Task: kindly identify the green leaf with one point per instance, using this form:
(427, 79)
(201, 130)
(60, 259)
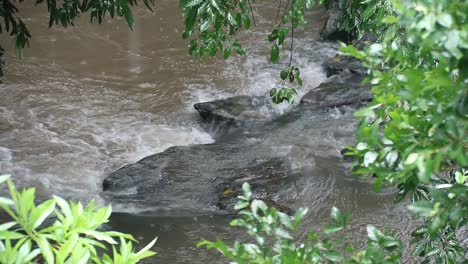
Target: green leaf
(231, 20)
(145, 252)
(67, 247)
(241, 205)
(352, 51)
(193, 3)
(205, 25)
(273, 36)
(41, 212)
(368, 12)
(283, 233)
(445, 20)
(273, 91)
(4, 178)
(256, 205)
(284, 74)
(274, 53)
(366, 112)
(373, 233)
(335, 214)
(422, 208)
(333, 256)
(329, 229)
(390, 20)
(285, 220)
(369, 158)
(4, 235)
(128, 15)
(7, 225)
(6, 201)
(46, 249)
(299, 81)
(246, 21)
(247, 191)
(99, 236)
(291, 77)
(227, 53)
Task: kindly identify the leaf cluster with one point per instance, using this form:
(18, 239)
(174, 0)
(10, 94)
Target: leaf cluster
(366, 16)
(64, 13)
(211, 25)
(275, 238)
(414, 133)
(72, 237)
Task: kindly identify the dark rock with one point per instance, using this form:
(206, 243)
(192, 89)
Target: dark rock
(344, 152)
(234, 110)
(165, 180)
(339, 64)
(340, 90)
(331, 29)
(364, 41)
(264, 178)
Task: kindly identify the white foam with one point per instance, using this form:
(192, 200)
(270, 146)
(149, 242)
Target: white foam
(254, 75)
(5, 155)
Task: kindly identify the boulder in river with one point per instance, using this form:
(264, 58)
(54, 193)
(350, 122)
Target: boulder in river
(331, 28)
(234, 111)
(264, 178)
(339, 90)
(179, 178)
(340, 63)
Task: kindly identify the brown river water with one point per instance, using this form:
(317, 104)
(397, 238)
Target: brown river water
(89, 99)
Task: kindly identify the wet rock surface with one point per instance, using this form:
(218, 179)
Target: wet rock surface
(264, 178)
(343, 64)
(184, 177)
(339, 90)
(331, 28)
(234, 111)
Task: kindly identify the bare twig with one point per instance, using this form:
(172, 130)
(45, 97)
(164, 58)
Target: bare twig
(284, 13)
(279, 10)
(292, 43)
(252, 13)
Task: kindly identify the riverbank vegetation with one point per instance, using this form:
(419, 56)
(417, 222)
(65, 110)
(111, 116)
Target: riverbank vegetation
(57, 231)
(411, 136)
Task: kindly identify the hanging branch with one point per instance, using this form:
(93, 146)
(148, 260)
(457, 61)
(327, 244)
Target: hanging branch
(284, 13)
(277, 13)
(252, 13)
(292, 43)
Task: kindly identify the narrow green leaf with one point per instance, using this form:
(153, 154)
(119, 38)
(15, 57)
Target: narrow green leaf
(41, 212)
(274, 53)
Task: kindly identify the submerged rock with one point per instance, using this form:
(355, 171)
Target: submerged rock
(340, 64)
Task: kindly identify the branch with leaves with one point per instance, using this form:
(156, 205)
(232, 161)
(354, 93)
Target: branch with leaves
(63, 13)
(211, 26)
(276, 238)
(73, 237)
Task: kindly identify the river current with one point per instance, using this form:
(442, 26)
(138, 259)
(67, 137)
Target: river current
(87, 100)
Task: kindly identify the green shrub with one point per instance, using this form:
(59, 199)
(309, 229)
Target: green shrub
(413, 135)
(275, 239)
(72, 237)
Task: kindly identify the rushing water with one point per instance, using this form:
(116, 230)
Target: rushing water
(89, 99)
